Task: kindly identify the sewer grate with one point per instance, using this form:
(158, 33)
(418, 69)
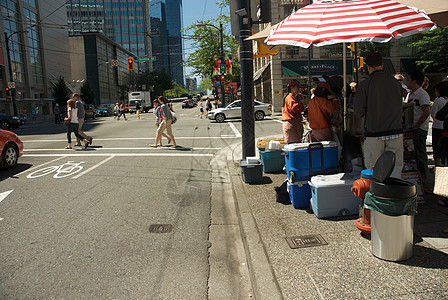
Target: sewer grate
(160, 228)
(306, 241)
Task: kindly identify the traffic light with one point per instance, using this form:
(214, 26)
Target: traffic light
(351, 47)
(7, 91)
(130, 63)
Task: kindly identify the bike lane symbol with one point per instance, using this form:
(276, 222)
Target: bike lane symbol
(66, 169)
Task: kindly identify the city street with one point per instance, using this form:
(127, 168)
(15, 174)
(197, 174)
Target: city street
(77, 223)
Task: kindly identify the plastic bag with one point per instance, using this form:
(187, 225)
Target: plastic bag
(282, 195)
(395, 207)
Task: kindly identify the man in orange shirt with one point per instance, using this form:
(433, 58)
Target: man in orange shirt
(319, 112)
(292, 113)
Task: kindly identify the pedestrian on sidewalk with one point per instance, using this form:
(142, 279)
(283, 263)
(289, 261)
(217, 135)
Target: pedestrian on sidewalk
(81, 117)
(441, 92)
(122, 112)
(320, 109)
(158, 115)
(201, 108)
(57, 117)
(379, 100)
(137, 109)
(165, 124)
(420, 98)
(292, 109)
(72, 115)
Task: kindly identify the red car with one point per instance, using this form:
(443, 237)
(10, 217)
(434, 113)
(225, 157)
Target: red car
(11, 148)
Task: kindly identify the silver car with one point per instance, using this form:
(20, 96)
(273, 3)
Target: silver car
(233, 111)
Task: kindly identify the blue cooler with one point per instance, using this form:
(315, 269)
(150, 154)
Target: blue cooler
(331, 195)
(304, 160)
(299, 193)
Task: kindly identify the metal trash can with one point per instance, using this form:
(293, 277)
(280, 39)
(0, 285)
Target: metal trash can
(392, 237)
(393, 203)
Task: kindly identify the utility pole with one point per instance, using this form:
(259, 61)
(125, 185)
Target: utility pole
(247, 76)
(223, 98)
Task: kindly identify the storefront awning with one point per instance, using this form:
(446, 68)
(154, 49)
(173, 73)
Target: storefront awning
(296, 68)
(260, 71)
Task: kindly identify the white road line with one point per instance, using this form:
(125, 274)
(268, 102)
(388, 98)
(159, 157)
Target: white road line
(93, 167)
(102, 148)
(39, 166)
(121, 154)
(237, 133)
(131, 139)
(4, 195)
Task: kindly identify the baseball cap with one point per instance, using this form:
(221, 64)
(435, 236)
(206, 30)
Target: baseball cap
(294, 83)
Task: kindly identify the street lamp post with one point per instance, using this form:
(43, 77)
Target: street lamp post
(11, 77)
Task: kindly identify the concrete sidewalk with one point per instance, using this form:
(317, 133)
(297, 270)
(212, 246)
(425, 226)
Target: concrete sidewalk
(343, 269)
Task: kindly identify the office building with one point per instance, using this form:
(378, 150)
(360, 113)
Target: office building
(167, 45)
(36, 35)
(124, 22)
(191, 84)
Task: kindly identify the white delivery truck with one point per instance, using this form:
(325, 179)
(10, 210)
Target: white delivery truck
(141, 97)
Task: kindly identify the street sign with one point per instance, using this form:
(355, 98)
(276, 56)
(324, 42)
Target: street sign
(146, 58)
(11, 84)
(114, 63)
(222, 69)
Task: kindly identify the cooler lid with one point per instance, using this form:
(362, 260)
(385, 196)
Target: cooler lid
(384, 166)
(334, 179)
(304, 146)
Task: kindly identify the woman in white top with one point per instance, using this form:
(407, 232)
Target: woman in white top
(72, 115)
(441, 91)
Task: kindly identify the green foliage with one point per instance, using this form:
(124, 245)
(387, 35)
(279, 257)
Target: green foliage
(159, 80)
(176, 91)
(87, 93)
(432, 50)
(365, 48)
(207, 42)
(61, 92)
(123, 93)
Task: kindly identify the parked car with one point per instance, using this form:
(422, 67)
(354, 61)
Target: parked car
(233, 110)
(90, 111)
(7, 122)
(11, 148)
(103, 111)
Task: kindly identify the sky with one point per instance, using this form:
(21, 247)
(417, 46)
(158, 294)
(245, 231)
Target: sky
(197, 10)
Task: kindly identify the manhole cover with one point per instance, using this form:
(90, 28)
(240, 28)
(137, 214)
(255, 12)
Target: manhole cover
(305, 241)
(160, 228)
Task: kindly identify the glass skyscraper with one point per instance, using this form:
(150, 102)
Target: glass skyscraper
(166, 39)
(124, 22)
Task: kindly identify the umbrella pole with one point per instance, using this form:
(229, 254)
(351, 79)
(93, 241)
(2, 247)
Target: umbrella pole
(344, 91)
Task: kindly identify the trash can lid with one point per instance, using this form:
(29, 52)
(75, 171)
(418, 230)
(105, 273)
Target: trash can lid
(384, 166)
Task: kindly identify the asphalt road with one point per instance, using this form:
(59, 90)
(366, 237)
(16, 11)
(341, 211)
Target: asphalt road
(76, 223)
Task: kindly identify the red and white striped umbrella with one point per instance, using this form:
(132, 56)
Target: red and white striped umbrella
(332, 22)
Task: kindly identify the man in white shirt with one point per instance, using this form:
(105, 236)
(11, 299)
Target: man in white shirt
(420, 98)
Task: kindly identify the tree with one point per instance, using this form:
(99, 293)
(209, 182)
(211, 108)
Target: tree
(123, 93)
(61, 92)
(87, 93)
(176, 91)
(208, 45)
(432, 46)
(159, 80)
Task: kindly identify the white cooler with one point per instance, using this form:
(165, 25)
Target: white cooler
(331, 195)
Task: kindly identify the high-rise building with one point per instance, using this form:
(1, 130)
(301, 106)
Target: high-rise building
(191, 84)
(124, 22)
(36, 36)
(166, 26)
